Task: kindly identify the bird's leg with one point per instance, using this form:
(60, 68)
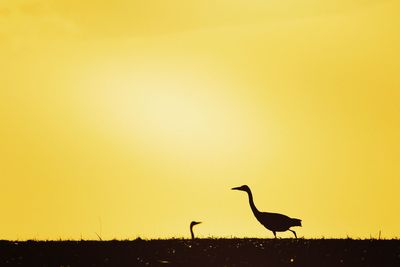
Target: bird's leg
(274, 234)
(293, 233)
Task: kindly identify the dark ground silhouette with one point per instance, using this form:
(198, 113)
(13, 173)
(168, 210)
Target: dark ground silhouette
(203, 252)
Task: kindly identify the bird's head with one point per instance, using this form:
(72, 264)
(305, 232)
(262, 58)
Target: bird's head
(242, 188)
(194, 223)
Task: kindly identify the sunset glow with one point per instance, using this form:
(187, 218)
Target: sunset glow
(134, 118)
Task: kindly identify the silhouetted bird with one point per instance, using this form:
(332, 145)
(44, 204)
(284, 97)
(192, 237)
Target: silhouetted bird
(191, 227)
(274, 222)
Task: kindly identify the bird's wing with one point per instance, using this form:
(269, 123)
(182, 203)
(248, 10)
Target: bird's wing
(275, 221)
(276, 216)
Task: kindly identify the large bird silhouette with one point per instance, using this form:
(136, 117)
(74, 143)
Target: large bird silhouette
(274, 222)
(193, 223)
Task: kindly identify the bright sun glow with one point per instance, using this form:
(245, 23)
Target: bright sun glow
(182, 109)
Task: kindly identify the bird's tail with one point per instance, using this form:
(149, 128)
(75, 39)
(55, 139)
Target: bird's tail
(296, 222)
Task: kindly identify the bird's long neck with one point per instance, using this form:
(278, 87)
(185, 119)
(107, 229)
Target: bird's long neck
(252, 206)
(191, 231)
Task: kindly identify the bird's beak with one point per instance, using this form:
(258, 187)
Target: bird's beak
(235, 188)
(198, 222)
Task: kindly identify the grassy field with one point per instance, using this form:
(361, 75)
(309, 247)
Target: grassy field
(203, 252)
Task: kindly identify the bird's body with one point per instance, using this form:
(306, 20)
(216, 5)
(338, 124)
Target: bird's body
(277, 222)
(274, 222)
(193, 223)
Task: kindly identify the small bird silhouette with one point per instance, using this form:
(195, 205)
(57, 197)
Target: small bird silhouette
(193, 223)
(274, 222)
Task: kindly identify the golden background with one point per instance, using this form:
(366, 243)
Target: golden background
(133, 118)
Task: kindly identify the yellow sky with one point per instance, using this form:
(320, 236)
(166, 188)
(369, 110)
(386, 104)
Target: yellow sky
(133, 118)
